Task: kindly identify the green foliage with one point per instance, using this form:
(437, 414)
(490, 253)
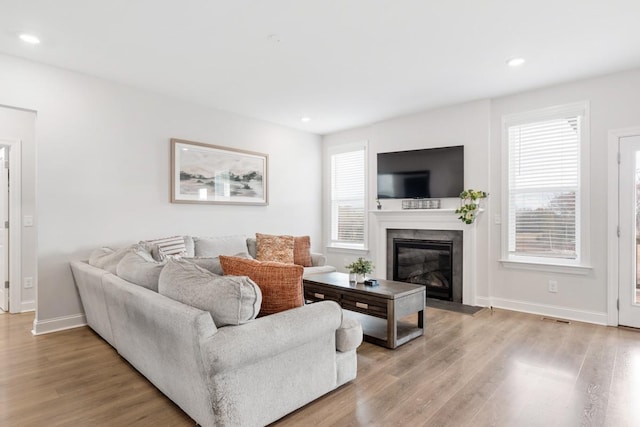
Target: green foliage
(470, 205)
(360, 266)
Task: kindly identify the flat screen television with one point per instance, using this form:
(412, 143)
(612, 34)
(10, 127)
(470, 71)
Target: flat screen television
(426, 173)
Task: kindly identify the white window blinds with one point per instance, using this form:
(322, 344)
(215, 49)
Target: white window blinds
(348, 198)
(544, 188)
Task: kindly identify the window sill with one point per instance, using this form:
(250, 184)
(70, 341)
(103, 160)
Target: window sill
(347, 249)
(581, 270)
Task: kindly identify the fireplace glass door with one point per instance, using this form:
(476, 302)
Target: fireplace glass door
(425, 262)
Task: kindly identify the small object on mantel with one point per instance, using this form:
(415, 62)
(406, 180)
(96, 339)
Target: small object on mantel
(421, 204)
(371, 282)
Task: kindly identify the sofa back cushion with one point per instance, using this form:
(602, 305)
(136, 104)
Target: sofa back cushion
(212, 264)
(274, 248)
(230, 300)
(139, 267)
(107, 258)
(281, 284)
(211, 247)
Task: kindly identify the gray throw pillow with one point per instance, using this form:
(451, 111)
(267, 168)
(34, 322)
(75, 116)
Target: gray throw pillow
(139, 267)
(107, 258)
(231, 300)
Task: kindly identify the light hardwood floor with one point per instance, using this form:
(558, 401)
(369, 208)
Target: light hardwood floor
(497, 368)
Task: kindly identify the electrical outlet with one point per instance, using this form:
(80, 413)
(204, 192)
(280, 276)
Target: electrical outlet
(28, 282)
(553, 286)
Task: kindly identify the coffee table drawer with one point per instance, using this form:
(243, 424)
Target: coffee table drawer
(317, 293)
(370, 306)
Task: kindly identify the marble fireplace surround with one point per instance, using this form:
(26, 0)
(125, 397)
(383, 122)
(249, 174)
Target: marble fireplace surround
(426, 219)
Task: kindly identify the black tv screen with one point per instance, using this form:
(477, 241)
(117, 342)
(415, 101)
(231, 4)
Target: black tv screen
(427, 173)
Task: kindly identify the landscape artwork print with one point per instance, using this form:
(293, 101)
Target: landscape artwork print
(204, 173)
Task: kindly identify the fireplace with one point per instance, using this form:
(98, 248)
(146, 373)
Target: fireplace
(425, 262)
(432, 258)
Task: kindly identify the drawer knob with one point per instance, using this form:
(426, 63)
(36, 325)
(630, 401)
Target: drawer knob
(321, 296)
(362, 305)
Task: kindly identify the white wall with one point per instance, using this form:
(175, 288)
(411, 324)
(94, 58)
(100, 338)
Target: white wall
(102, 154)
(466, 124)
(614, 103)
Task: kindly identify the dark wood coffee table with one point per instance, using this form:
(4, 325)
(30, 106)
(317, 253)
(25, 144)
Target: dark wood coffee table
(379, 309)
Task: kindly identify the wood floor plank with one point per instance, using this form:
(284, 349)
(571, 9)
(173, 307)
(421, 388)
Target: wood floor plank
(497, 368)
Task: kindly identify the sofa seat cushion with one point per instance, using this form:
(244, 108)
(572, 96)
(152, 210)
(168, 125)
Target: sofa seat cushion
(281, 284)
(275, 248)
(231, 300)
(139, 267)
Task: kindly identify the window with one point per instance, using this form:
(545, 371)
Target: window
(348, 217)
(545, 188)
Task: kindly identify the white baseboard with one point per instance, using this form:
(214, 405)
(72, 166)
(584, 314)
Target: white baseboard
(56, 324)
(483, 302)
(27, 306)
(598, 318)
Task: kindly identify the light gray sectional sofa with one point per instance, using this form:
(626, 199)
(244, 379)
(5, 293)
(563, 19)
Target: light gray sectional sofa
(246, 375)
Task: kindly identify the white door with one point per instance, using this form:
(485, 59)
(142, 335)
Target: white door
(4, 231)
(629, 242)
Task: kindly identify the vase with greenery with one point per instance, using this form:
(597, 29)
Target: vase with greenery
(470, 204)
(360, 268)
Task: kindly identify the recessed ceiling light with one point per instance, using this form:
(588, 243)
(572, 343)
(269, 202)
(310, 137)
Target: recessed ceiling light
(29, 38)
(305, 119)
(515, 62)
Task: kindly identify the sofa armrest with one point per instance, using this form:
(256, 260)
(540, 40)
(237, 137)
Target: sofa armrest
(318, 259)
(237, 346)
(348, 335)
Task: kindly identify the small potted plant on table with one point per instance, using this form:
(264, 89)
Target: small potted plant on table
(360, 268)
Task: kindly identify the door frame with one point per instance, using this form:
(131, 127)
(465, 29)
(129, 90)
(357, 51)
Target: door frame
(15, 223)
(613, 246)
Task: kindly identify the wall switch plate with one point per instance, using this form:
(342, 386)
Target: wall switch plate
(28, 282)
(553, 286)
(497, 219)
(28, 220)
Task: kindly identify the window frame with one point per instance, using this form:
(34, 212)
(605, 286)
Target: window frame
(340, 149)
(580, 265)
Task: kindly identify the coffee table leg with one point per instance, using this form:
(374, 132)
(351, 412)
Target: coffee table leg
(392, 325)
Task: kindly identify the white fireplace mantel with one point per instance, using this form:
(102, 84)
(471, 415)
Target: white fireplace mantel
(427, 219)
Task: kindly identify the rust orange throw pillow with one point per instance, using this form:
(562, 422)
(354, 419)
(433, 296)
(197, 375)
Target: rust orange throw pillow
(281, 284)
(274, 248)
(302, 251)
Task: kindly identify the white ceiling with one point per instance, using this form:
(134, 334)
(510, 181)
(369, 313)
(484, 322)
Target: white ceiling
(344, 63)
